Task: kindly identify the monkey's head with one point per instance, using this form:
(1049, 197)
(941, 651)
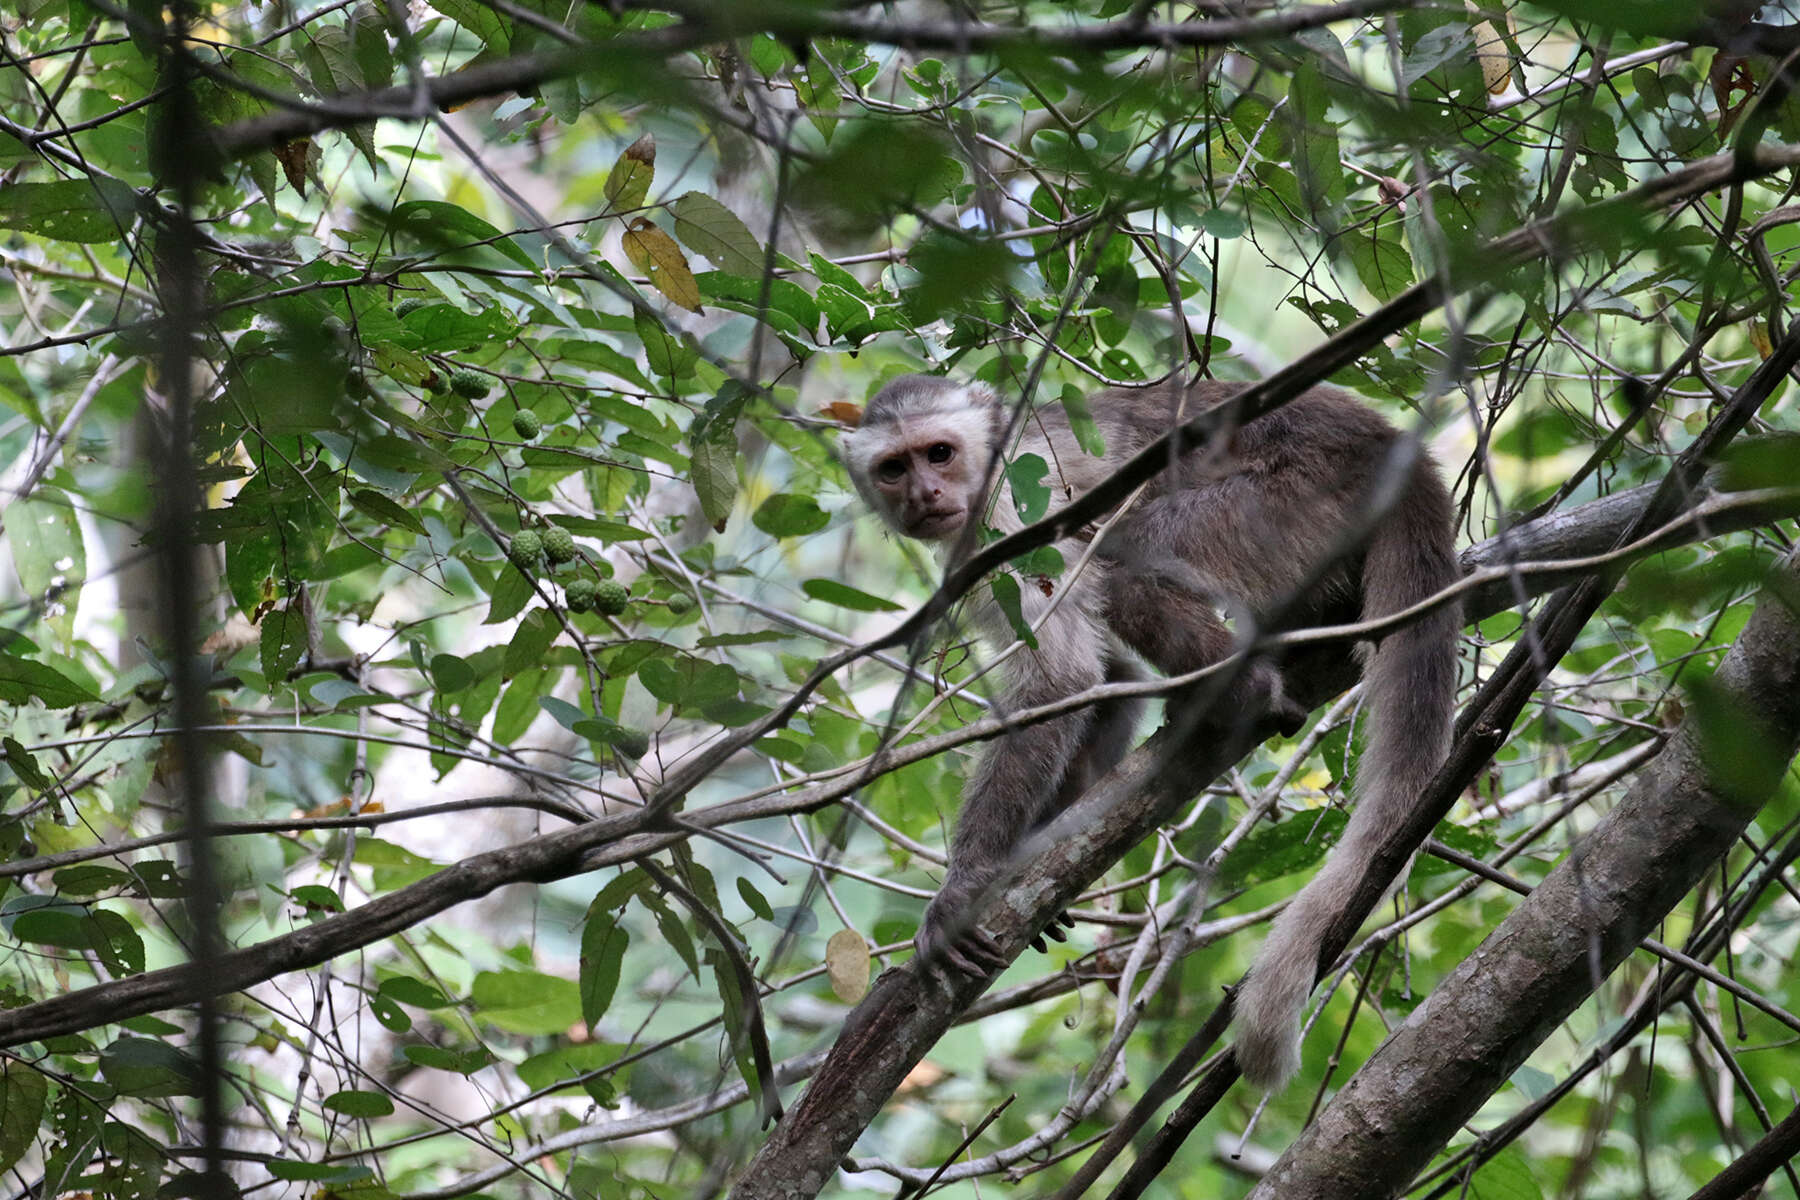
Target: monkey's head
(920, 456)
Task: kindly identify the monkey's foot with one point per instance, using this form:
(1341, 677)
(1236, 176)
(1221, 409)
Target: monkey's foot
(946, 944)
(1056, 931)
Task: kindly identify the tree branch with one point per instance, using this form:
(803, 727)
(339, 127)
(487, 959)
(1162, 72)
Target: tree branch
(1473, 1031)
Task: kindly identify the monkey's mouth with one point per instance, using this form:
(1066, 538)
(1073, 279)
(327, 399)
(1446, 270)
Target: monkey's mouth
(936, 523)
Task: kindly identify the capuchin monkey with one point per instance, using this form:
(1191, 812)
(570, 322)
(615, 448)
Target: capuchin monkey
(1237, 527)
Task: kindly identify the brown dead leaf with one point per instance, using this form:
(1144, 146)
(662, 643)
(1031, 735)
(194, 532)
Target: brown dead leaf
(292, 157)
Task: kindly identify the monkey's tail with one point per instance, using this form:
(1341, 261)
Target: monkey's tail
(1409, 685)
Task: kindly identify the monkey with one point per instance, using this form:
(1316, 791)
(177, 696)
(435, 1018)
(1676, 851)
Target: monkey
(1235, 527)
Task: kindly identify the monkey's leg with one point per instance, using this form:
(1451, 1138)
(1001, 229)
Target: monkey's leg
(1178, 630)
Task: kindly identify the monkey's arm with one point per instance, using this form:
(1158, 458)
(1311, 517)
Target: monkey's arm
(1020, 780)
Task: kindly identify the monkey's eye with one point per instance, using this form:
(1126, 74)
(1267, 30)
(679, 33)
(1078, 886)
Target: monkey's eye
(940, 453)
(889, 470)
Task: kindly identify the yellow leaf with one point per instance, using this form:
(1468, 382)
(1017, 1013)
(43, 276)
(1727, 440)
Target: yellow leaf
(1492, 49)
(655, 254)
(1759, 337)
(1490, 52)
(847, 962)
(629, 181)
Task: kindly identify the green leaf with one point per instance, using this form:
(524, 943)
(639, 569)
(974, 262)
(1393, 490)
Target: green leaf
(451, 673)
(564, 1065)
(1223, 223)
(25, 766)
(359, 1104)
(1381, 261)
(22, 680)
(22, 1095)
(1005, 589)
(1031, 495)
(69, 210)
(603, 944)
(88, 879)
(113, 940)
(629, 182)
(283, 642)
(714, 472)
(463, 1062)
(480, 20)
(48, 552)
(830, 591)
(688, 682)
(1641, 18)
(511, 592)
(450, 227)
(304, 1172)
(707, 227)
(146, 1068)
(758, 903)
(786, 515)
(1507, 1176)
(529, 641)
(382, 509)
(525, 1002)
(404, 989)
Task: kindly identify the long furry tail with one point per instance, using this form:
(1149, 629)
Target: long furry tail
(1410, 687)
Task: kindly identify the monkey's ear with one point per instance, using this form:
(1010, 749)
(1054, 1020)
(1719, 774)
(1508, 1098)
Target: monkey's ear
(844, 412)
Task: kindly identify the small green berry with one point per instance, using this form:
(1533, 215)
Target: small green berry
(680, 603)
(409, 305)
(559, 544)
(610, 598)
(526, 424)
(526, 548)
(578, 594)
(471, 385)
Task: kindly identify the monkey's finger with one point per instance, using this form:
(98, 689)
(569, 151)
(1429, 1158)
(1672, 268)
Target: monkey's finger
(979, 952)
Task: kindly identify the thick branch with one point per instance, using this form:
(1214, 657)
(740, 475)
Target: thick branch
(1686, 809)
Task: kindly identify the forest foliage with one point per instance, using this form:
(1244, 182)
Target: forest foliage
(432, 600)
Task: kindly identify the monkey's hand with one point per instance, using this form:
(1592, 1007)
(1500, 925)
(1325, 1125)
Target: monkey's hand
(949, 941)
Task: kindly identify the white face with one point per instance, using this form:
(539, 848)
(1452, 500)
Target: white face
(924, 473)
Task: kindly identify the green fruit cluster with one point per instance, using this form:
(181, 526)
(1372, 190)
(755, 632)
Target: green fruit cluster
(526, 424)
(680, 603)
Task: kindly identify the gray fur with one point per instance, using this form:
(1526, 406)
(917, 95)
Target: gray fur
(1236, 526)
